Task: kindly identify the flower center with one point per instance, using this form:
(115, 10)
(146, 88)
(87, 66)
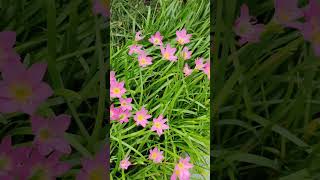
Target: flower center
(123, 104)
(21, 92)
(180, 165)
(143, 61)
(166, 55)
(154, 155)
(140, 117)
(181, 41)
(44, 134)
(157, 125)
(121, 116)
(116, 90)
(156, 41)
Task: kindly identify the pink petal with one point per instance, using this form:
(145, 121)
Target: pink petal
(36, 72)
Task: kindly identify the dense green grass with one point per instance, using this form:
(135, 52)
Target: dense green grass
(162, 88)
(266, 100)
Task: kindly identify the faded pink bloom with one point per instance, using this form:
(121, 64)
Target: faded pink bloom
(101, 7)
(206, 69)
(138, 36)
(159, 125)
(168, 53)
(112, 76)
(114, 112)
(117, 89)
(49, 133)
(126, 103)
(43, 167)
(125, 163)
(22, 89)
(311, 28)
(144, 60)
(7, 53)
(135, 49)
(141, 117)
(287, 11)
(96, 167)
(247, 28)
(186, 54)
(181, 169)
(199, 64)
(183, 37)
(156, 39)
(156, 155)
(124, 116)
(186, 70)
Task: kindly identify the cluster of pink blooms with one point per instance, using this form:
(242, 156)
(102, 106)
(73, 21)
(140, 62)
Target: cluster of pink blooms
(288, 14)
(22, 90)
(169, 53)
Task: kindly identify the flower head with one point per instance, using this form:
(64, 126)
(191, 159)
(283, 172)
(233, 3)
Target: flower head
(138, 36)
(156, 155)
(159, 125)
(124, 116)
(168, 53)
(7, 53)
(125, 163)
(96, 167)
(114, 112)
(22, 89)
(287, 11)
(117, 89)
(126, 103)
(247, 28)
(183, 37)
(50, 133)
(206, 69)
(199, 64)
(186, 54)
(144, 60)
(186, 70)
(156, 39)
(181, 169)
(141, 117)
(101, 7)
(135, 49)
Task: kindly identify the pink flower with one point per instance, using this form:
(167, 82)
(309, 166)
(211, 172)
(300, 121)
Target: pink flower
(144, 60)
(287, 11)
(7, 53)
(112, 76)
(183, 37)
(135, 49)
(199, 64)
(114, 112)
(101, 7)
(247, 28)
(126, 103)
(141, 117)
(124, 116)
(117, 89)
(125, 163)
(96, 167)
(138, 36)
(159, 125)
(186, 70)
(168, 53)
(22, 89)
(186, 54)
(206, 69)
(311, 28)
(156, 155)
(156, 39)
(50, 133)
(6, 158)
(181, 169)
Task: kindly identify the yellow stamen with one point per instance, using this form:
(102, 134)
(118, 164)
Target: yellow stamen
(140, 117)
(116, 90)
(21, 93)
(166, 55)
(157, 125)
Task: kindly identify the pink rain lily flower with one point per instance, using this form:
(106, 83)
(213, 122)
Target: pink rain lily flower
(144, 60)
(247, 28)
(114, 112)
(287, 11)
(181, 169)
(156, 155)
(50, 133)
(159, 125)
(101, 7)
(156, 39)
(311, 28)
(124, 116)
(168, 53)
(186, 54)
(7, 53)
(125, 163)
(117, 89)
(141, 117)
(22, 89)
(95, 168)
(138, 36)
(199, 64)
(126, 103)
(183, 37)
(206, 69)
(186, 70)
(135, 49)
